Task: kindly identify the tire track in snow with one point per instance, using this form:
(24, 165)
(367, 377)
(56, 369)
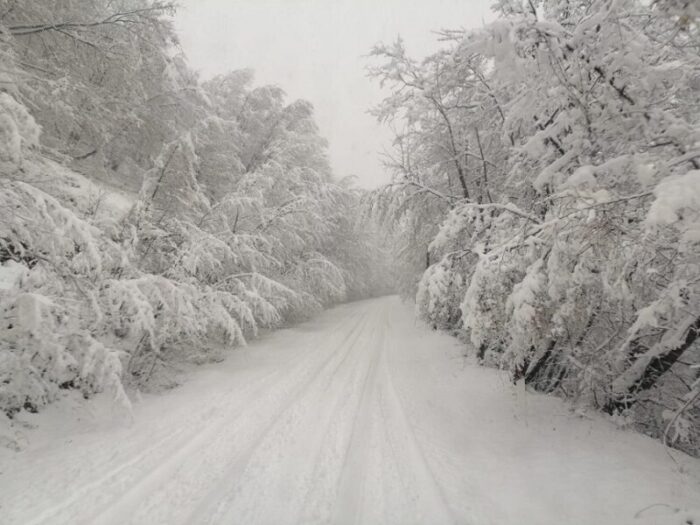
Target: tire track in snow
(351, 483)
(136, 456)
(322, 493)
(163, 454)
(385, 477)
(165, 449)
(123, 510)
(419, 479)
(218, 504)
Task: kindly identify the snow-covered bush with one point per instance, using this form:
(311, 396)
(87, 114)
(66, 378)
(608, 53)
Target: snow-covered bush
(48, 337)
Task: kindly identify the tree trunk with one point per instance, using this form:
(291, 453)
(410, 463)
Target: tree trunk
(646, 376)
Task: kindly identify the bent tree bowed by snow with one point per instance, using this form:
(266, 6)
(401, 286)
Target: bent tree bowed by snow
(545, 200)
(149, 218)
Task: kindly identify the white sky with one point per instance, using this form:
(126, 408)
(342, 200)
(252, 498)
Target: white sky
(313, 49)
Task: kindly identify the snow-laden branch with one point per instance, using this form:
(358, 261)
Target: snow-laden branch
(119, 18)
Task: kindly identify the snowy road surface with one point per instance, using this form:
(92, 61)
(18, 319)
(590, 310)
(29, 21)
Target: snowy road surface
(360, 416)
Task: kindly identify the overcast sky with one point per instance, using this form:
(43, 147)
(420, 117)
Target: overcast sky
(313, 49)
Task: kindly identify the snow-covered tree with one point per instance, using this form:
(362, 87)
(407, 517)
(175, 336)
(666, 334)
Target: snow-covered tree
(149, 218)
(547, 151)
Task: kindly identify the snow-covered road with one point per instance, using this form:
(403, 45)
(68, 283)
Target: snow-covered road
(360, 416)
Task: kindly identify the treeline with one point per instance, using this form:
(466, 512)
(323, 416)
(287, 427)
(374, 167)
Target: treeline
(546, 199)
(147, 217)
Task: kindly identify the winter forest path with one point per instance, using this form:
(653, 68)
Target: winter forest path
(360, 416)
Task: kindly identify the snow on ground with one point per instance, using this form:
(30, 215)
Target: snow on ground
(360, 416)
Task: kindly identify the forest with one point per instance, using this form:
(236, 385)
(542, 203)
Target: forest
(546, 196)
(544, 203)
(149, 218)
